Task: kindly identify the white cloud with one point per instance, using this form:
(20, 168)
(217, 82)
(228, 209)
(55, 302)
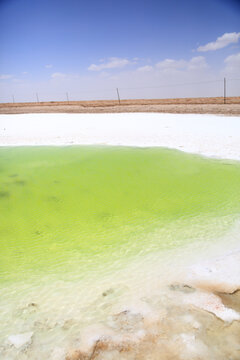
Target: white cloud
(112, 63)
(171, 64)
(221, 42)
(145, 68)
(5, 76)
(197, 62)
(48, 66)
(233, 63)
(58, 75)
(167, 79)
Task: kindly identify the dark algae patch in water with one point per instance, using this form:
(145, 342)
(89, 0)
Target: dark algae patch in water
(4, 194)
(96, 205)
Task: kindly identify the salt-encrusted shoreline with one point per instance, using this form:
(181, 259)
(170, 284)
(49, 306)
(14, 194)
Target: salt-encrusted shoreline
(209, 135)
(190, 318)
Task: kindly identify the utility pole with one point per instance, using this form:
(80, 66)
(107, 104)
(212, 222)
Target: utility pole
(13, 100)
(67, 97)
(118, 96)
(37, 97)
(225, 88)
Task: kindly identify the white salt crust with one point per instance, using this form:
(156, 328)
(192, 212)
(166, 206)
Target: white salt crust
(210, 135)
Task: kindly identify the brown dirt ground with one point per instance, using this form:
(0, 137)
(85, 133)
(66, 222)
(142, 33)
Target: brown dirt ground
(187, 105)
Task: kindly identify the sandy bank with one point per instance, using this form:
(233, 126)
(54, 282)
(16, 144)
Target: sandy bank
(211, 105)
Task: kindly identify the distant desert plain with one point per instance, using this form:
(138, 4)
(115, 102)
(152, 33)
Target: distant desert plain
(210, 105)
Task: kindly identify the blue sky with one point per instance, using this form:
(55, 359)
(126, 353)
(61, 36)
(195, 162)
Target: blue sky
(54, 46)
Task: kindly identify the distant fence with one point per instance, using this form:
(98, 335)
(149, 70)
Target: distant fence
(210, 88)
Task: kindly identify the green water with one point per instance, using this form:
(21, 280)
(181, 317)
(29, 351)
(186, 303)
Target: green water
(72, 210)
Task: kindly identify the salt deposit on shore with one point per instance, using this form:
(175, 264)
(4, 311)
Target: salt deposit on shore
(209, 135)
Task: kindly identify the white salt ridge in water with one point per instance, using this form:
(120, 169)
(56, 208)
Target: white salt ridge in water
(210, 135)
(20, 340)
(212, 304)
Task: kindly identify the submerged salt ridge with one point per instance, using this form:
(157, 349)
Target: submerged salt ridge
(168, 303)
(210, 135)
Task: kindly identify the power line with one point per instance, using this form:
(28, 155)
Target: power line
(77, 94)
(170, 85)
